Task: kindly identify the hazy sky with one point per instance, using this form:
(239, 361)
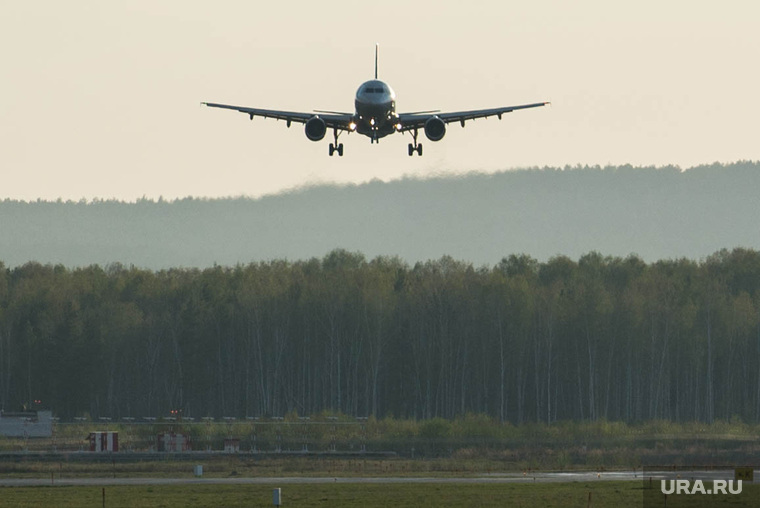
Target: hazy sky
(101, 99)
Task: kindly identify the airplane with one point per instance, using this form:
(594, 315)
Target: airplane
(375, 117)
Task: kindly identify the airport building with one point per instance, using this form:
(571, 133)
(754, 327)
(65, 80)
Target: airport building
(106, 441)
(231, 445)
(172, 442)
(26, 424)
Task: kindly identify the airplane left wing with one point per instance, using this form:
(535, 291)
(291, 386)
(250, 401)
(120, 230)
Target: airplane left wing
(332, 121)
(410, 121)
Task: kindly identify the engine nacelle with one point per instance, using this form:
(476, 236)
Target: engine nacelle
(315, 128)
(435, 128)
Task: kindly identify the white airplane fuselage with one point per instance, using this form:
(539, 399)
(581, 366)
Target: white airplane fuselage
(375, 105)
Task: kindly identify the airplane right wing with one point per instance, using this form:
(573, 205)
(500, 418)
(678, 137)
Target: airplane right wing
(411, 121)
(332, 121)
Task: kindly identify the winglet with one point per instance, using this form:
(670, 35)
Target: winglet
(377, 48)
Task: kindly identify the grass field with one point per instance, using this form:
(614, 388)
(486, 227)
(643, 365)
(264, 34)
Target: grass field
(580, 494)
(562, 445)
(472, 446)
(603, 494)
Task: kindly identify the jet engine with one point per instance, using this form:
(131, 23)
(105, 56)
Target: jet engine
(315, 128)
(435, 128)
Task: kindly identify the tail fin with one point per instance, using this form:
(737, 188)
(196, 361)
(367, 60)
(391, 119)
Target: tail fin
(377, 48)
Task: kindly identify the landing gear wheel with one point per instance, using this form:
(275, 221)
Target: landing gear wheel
(335, 147)
(415, 147)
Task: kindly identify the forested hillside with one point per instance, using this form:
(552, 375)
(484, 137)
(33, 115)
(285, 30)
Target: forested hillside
(521, 340)
(655, 213)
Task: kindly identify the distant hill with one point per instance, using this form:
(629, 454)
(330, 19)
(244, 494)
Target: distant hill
(653, 212)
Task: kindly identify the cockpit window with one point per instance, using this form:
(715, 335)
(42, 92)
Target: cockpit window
(375, 89)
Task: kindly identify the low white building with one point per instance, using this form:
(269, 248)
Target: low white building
(171, 442)
(31, 424)
(104, 441)
(231, 445)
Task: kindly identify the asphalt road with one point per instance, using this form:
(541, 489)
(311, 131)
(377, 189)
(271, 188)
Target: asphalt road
(491, 478)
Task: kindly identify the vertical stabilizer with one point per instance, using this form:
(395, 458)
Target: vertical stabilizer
(377, 49)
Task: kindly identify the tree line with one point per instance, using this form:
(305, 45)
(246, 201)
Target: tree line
(522, 341)
(659, 213)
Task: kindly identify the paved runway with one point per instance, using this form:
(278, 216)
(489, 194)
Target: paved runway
(567, 477)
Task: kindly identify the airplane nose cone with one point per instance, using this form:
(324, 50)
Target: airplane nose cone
(378, 110)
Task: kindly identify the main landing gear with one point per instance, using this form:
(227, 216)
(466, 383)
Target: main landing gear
(416, 147)
(336, 147)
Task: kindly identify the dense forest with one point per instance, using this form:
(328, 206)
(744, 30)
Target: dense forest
(522, 340)
(656, 213)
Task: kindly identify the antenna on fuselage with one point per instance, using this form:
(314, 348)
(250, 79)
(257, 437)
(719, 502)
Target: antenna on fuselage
(377, 48)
